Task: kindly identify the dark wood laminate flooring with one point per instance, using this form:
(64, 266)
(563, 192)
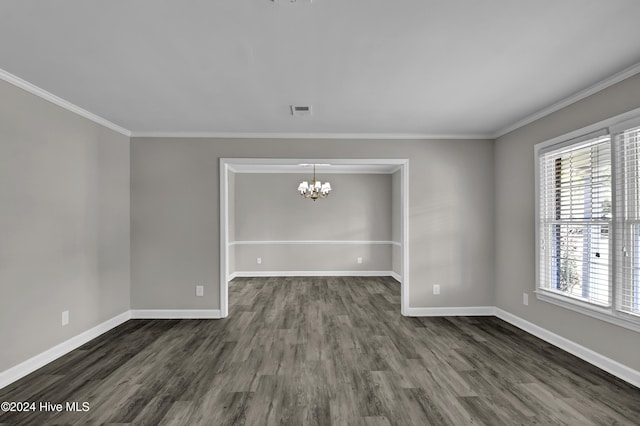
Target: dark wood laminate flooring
(323, 351)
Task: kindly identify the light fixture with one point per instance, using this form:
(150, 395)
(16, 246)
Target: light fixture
(316, 190)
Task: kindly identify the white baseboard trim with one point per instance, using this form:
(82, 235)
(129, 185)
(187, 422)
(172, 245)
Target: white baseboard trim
(32, 364)
(607, 364)
(465, 311)
(312, 242)
(396, 276)
(232, 276)
(175, 314)
(251, 274)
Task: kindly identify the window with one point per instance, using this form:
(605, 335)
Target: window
(588, 222)
(627, 144)
(575, 212)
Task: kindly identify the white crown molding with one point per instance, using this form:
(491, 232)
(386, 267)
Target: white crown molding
(586, 92)
(41, 93)
(599, 86)
(175, 314)
(267, 135)
(463, 311)
(32, 364)
(313, 242)
(607, 364)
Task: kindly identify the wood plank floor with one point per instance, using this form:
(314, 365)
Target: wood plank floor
(323, 351)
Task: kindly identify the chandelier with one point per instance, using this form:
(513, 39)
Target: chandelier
(316, 190)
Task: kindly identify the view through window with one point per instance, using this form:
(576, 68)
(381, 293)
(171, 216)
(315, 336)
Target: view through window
(576, 203)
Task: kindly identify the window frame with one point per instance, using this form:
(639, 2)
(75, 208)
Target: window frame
(611, 314)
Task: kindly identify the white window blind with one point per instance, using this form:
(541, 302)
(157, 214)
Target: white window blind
(628, 217)
(575, 202)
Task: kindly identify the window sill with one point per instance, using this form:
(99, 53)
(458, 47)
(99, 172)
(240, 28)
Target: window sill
(605, 314)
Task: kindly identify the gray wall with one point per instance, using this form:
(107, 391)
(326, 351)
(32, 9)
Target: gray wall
(358, 209)
(515, 221)
(64, 224)
(175, 214)
(313, 257)
(174, 226)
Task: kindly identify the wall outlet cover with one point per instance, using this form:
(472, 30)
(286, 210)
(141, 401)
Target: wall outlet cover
(65, 317)
(199, 290)
(436, 289)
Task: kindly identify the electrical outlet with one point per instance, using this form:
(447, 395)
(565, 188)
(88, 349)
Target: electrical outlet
(199, 290)
(525, 299)
(259, 261)
(65, 317)
(436, 289)
(359, 260)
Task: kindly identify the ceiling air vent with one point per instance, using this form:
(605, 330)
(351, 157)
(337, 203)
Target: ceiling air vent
(300, 110)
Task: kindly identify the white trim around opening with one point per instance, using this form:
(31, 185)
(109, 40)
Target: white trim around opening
(227, 165)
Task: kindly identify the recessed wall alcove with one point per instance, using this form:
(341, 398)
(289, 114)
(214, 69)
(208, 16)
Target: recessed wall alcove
(291, 252)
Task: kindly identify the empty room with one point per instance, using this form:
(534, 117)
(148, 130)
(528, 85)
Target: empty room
(324, 212)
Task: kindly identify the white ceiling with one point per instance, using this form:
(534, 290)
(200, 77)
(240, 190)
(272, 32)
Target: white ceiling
(369, 67)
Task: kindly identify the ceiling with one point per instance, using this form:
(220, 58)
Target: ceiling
(433, 68)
